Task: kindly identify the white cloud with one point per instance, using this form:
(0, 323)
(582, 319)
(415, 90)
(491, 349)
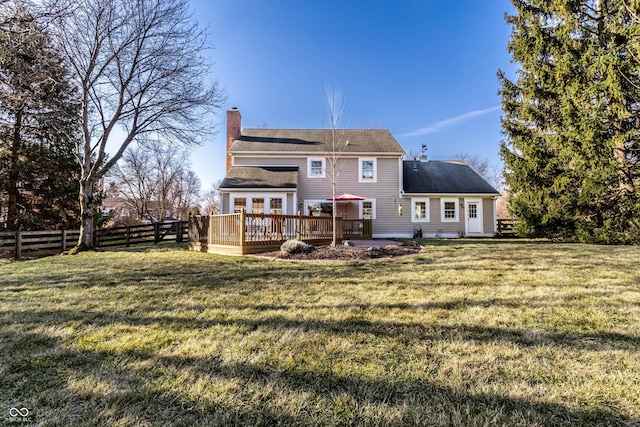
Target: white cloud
(447, 123)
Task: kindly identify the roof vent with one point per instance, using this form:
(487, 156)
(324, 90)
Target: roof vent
(415, 164)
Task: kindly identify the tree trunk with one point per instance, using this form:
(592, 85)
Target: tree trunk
(86, 238)
(14, 173)
(335, 216)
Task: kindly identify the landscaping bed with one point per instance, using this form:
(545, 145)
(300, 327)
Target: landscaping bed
(347, 253)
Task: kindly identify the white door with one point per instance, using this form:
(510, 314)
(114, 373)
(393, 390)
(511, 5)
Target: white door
(474, 216)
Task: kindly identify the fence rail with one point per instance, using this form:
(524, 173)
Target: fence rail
(17, 244)
(244, 233)
(506, 227)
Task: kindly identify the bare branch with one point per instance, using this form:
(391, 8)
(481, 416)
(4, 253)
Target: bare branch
(142, 76)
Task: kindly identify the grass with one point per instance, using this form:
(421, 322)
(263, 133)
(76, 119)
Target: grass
(480, 332)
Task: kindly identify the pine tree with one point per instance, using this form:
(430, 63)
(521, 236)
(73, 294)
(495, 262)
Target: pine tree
(571, 120)
(38, 121)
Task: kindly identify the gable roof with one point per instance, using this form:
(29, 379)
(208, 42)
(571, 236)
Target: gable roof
(441, 177)
(315, 141)
(261, 177)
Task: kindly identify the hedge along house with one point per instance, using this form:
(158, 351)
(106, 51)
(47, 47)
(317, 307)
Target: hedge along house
(289, 171)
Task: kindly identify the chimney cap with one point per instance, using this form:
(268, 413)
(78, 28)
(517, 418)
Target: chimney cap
(234, 108)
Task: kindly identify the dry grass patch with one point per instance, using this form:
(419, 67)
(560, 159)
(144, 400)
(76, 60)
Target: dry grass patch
(467, 333)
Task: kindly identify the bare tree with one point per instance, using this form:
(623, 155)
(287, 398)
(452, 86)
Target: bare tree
(335, 107)
(378, 125)
(157, 181)
(132, 179)
(141, 75)
(482, 166)
(212, 198)
(169, 166)
(184, 193)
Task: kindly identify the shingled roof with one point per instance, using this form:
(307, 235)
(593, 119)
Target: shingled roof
(315, 141)
(261, 177)
(441, 177)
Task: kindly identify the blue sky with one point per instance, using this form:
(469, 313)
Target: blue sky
(424, 69)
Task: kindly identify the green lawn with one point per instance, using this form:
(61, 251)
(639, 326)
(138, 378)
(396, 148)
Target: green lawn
(472, 332)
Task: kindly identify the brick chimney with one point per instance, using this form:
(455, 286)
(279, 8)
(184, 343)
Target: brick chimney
(234, 128)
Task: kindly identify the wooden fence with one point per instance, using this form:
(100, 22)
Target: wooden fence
(146, 233)
(17, 244)
(505, 228)
(244, 233)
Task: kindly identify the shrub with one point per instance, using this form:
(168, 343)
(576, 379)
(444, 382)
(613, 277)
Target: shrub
(295, 247)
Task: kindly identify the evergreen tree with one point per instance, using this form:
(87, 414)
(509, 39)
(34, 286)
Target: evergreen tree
(38, 122)
(571, 120)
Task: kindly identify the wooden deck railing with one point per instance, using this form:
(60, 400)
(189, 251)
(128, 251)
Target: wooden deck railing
(357, 229)
(244, 233)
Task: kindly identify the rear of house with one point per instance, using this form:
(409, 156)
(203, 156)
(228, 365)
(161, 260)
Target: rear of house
(292, 172)
(448, 199)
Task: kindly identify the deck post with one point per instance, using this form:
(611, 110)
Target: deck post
(243, 229)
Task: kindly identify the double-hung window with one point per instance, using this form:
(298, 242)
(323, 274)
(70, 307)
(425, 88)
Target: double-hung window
(239, 204)
(275, 206)
(367, 170)
(449, 210)
(420, 210)
(257, 205)
(316, 167)
(368, 209)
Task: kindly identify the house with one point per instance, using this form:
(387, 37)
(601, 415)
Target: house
(290, 172)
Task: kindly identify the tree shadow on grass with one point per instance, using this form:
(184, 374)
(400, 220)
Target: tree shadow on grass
(406, 331)
(41, 372)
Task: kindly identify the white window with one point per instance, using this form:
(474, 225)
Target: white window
(318, 208)
(316, 167)
(275, 205)
(257, 205)
(367, 170)
(449, 210)
(419, 210)
(239, 204)
(368, 209)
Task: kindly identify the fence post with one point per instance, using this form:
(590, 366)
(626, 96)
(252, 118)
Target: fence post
(127, 238)
(179, 232)
(18, 245)
(156, 232)
(64, 240)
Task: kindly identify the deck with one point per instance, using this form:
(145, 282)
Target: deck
(243, 233)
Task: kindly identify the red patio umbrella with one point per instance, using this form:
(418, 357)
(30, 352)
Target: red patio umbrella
(347, 197)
